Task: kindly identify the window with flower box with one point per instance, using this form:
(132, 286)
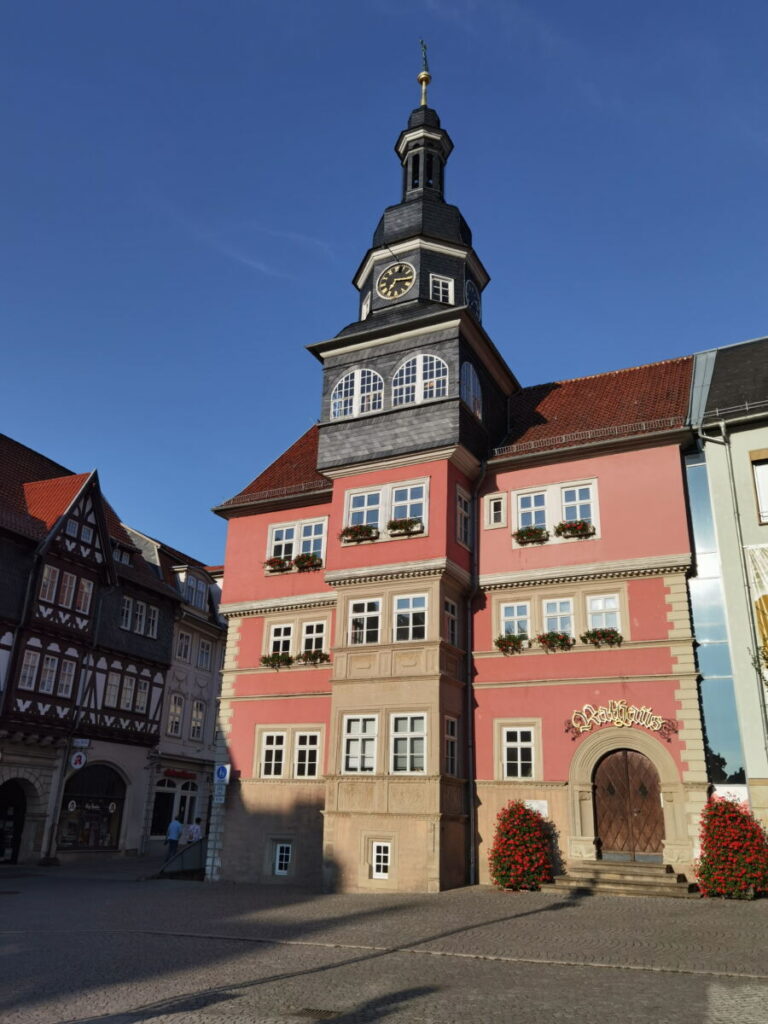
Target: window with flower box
(558, 615)
(313, 636)
(547, 507)
(532, 509)
(603, 611)
(385, 506)
(516, 619)
(280, 639)
(287, 540)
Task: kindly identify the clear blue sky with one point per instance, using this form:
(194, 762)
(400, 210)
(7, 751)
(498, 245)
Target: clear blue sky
(187, 186)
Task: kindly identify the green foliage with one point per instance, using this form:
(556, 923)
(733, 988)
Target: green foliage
(520, 855)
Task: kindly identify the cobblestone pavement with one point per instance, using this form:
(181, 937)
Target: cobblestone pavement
(108, 949)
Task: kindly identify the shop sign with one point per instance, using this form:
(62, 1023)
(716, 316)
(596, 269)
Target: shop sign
(78, 759)
(620, 714)
(179, 773)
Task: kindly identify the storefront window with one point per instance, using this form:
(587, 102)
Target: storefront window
(92, 809)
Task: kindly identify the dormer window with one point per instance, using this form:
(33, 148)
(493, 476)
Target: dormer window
(421, 379)
(441, 288)
(357, 393)
(196, 592)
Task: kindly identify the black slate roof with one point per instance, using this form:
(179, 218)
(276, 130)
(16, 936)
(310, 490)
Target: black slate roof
(739, 380)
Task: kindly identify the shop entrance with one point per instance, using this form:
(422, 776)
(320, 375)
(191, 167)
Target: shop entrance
(629, 819)
(13, 810)
(92, 809)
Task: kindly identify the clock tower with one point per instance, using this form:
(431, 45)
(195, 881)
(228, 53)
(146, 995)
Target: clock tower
(416, 370)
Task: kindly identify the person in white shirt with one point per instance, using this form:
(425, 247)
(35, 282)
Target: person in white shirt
(195, 832)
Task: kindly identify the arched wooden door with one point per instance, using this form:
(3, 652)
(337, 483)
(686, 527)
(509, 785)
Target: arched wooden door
(13, 809)
(629, 820)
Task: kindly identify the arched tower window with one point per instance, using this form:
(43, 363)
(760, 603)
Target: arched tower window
(471, 391)
(356, 393)
(420, 379)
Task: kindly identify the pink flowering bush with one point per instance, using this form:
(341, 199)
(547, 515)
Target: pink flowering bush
(520, 855)
(734, 851)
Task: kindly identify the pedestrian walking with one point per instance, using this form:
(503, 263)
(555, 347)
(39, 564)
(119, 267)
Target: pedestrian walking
(173, 835)
(195, 832)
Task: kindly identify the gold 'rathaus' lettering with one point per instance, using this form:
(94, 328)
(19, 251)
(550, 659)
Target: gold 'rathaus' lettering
(618, 713)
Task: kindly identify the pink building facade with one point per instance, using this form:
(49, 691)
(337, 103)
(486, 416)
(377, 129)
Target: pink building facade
(454, 591)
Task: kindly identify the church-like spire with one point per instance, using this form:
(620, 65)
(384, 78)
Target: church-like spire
(424, 77)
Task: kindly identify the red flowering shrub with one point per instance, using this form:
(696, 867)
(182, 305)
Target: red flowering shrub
(519, 857)
(734, 851)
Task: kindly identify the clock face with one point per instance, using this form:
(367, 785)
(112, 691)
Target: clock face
(396, 280)
(473, 297)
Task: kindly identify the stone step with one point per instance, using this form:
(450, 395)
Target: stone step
(624, 879)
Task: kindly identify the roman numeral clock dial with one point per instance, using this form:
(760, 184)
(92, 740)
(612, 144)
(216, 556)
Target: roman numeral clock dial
(396, 280)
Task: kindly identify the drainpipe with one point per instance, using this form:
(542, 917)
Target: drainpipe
(470, 710)
(724, 440)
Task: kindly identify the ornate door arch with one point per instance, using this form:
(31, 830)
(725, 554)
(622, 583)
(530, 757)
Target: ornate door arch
(629, 820)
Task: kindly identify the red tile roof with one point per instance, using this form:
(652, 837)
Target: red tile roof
(48, 500)
(623, 403)
(294, 472)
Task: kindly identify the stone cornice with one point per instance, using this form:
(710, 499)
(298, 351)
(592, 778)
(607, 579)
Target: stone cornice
(660, 565)
(456, 454)
(398, 571)
(245, 609)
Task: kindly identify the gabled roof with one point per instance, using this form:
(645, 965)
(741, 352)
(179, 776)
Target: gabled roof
(48, 500)
(621, 404)
(293, 473)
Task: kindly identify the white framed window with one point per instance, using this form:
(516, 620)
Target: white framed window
(48, 583)
(272, 755)
(286, 540)
(408, 502)
(463, 518)
(66, 678)
(73, 528)
(127, 693)
(139, 617)
(175, 715)
(112, 690)
(410, 617)
(518, 752)
(532, 509)
(196, 592)
(357, 393)
(421, 378)
(360, 733)
(28, 674)
(126, 612)
(84, 595)
(282, 852)
(381, 857)
(152, 616)
(451, 622)
(603, 611)
(313, 636)
(282, 541)
(86, 534)
(67, 589)
(142, 694)
(409, 735)
(471, 392)
(516, 619)
(558, 615)
(365, 621)
(305, 755)
(204, 655)
(375, 507)
(760, 473)
(365, 509)
(440, 288)
(365, 306)
(48, 673)
(280, 639)
(495, 511)
(183, 646)
(451, 746)
(197, 720)
(577, 503)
